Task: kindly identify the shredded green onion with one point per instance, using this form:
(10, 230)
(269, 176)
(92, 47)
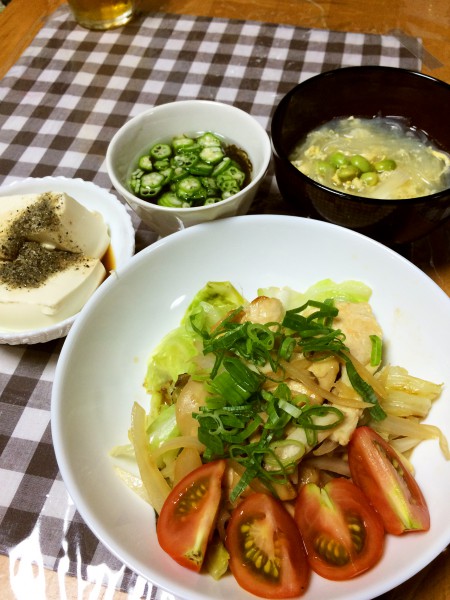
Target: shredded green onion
(291, 410)
(306, 419)
(365, 391)
(247, 423)
(287, 348)
(375, 355)
(275, 459)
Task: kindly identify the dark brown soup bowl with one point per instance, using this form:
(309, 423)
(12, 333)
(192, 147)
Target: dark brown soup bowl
(421, 101)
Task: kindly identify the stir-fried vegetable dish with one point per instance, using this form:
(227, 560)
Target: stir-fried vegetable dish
(277, 439)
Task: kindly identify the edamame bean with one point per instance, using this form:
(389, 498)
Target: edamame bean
(325, 169)
(385, 165)
(361, 163)
(338, 159)
(347, 172)
(370, 178)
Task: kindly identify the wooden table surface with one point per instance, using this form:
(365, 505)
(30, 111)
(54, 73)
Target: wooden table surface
(428, 20)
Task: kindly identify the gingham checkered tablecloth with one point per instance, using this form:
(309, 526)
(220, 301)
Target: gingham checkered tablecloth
(59, 107)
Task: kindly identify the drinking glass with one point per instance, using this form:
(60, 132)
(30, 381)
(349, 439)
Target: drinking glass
(102, 14)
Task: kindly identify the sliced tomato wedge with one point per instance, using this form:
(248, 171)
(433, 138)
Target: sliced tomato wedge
(386, 482)
(188, 515)
(343, 535)
(267, 556)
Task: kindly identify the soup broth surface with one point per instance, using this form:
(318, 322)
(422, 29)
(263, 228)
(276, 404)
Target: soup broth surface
(375, 158)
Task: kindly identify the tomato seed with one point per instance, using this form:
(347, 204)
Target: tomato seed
(330, 550)
(357, 532)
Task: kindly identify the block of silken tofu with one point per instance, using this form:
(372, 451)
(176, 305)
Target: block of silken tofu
(62, 295)
(51, 248)
(53, 219)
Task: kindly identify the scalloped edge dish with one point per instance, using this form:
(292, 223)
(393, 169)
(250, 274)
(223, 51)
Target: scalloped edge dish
(93, 197)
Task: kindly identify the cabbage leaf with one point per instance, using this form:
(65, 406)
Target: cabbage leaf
(348, 291)
(175, 354)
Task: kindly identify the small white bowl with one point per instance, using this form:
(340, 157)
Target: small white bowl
(95, 198)
(188, 117)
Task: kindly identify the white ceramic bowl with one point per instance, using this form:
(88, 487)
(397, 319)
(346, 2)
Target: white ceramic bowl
(92, 399)
(189, 117)
(95, 198)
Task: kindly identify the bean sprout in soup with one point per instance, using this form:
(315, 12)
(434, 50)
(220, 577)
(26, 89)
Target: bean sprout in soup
(375, 158)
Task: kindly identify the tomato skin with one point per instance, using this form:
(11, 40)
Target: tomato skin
(261, 529)
(188, 515)
(378, 471)
(338, 518)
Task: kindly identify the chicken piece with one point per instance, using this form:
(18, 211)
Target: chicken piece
(326, 372)
(357, 321)
(264, 310)
(342, 433)
(297, 388)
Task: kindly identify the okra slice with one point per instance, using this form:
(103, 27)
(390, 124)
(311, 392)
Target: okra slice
(212, 154)
(152, 180)
(145, 163)
(159, 151)
(209, 139)
(189, 188)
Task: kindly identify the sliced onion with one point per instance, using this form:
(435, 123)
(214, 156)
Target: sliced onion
(156, 486)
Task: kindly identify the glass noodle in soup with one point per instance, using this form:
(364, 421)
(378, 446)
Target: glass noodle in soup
(375, 158)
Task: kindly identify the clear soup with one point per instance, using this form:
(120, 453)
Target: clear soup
(375, 158)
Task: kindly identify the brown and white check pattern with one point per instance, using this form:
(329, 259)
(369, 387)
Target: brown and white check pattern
(59, 107)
